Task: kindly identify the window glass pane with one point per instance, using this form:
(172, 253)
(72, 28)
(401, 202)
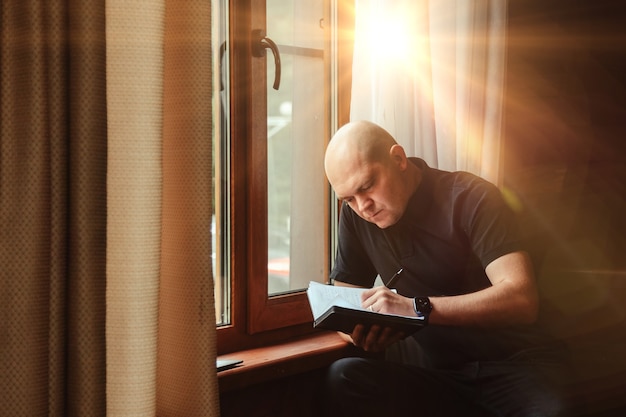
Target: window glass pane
(298, 125)
(220, 225)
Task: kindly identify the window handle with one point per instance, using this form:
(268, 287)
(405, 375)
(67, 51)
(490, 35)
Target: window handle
(260, 42)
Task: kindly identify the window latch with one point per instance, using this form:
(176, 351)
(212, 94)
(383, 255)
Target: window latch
(260, 42)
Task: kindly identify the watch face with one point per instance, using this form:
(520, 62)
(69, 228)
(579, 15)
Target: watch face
(423, 305)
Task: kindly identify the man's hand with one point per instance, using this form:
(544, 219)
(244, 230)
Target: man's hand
(376, 338)
(382, 300)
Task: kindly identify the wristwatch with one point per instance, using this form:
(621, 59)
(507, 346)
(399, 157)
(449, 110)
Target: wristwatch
(422, 307)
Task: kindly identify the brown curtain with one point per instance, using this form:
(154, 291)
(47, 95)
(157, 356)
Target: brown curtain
(105, 193)
(53, 208)
(186, 378)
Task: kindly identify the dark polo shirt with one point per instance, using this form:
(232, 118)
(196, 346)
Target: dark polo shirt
(455, 224)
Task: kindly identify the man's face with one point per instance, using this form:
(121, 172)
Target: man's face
(375, 191)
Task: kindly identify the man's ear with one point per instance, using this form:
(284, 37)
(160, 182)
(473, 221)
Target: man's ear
(398, 156)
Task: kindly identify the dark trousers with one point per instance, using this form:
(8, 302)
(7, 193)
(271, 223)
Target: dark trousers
(513, 388)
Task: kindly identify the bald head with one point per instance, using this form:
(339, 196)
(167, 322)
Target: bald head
(359, 142)
(370, 172)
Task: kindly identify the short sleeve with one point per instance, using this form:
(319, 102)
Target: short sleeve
(490, 224)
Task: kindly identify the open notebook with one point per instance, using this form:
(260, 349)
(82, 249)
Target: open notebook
(339, 308)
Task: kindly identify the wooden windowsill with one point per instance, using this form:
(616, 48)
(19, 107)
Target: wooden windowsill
(285, 359)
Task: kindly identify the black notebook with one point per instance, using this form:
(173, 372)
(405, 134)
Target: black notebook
(339, 308)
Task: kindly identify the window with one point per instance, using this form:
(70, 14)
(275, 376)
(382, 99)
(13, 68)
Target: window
(272, 211)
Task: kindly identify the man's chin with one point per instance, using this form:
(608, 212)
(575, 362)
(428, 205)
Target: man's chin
(381, 220)
(387, 221)
(384, 223)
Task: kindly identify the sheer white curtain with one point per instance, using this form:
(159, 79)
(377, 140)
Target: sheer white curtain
(432, 74)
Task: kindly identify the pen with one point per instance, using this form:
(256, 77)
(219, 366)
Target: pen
(394, 278)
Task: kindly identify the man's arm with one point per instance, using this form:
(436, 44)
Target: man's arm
(512, 298)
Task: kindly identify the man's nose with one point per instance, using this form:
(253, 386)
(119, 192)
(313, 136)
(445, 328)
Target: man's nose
(364, 203)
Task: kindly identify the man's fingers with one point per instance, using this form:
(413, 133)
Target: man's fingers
(372, 341)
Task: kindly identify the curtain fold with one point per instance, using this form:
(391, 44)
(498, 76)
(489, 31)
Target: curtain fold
(86, 196)
(186, 374)
(432, 73)
(134, 39)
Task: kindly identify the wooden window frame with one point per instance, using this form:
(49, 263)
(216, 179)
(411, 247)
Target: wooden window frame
(256, 319)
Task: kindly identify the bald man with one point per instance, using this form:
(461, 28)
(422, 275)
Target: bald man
(453, 249)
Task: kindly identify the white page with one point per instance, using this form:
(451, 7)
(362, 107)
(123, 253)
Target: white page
(322, 297)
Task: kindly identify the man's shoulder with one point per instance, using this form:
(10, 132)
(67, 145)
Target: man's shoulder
(443, 193)
(458, 183)
(454, 182)
(452, 178)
